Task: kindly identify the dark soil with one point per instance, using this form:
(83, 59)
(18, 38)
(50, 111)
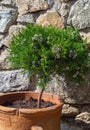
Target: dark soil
(31, 103)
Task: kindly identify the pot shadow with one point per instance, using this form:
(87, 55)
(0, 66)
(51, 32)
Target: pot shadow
(69, 123)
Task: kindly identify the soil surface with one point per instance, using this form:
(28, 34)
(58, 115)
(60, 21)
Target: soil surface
(31, 103)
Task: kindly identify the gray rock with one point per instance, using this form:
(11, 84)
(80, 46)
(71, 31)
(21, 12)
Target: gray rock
(70, 92)
(28, 18)
(9, 3)
(4, 63)
(27, 6)
(63, 8)
(4, 44)
(13, 81)
(13, 30)
(69, 110)
(84, 108)
(1, 45)
(64, 11)
(51, 3)
(79, 15)
(56, 5)
(1, 37)
(65, 0)
(7, 18)
(83, 117)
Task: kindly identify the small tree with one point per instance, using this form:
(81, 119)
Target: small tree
(46, 51)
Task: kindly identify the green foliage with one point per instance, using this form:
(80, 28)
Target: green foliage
(45, 51)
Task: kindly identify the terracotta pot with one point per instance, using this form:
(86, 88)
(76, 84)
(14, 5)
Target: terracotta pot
(30, 119)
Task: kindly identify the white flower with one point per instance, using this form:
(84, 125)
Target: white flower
(48, 38)
(47, 41)
(35, 35)
(88, 54)
(67, 67)
(40, 35)
(75, 75)
(34, 38)
(70, 53)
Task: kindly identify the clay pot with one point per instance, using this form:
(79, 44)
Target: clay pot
(30, 119)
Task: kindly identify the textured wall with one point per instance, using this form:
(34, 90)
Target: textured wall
(17, 13)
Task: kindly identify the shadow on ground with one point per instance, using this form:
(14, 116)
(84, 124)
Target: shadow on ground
(68, 123)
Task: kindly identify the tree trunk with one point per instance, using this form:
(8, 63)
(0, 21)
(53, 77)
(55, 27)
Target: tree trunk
(40, 97)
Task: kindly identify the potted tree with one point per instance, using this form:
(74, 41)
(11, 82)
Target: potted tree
(44, 52)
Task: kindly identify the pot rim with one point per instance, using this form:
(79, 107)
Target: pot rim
(23, 111)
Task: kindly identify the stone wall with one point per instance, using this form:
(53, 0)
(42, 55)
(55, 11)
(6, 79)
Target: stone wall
(15, 14)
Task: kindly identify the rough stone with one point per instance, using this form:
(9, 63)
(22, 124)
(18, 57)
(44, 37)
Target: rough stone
(9, 3)
(50, 3)
(84, 108)
(7, 18)
(28, 18)
(56, 6)
(79, 15)
(6, 40)
(13, 80)
(55, 86)
(83, 117)
(37, 14)
(50, 18)
(65, 0)
(4, 63)
(69, 110)
(1, 37)
(26, 6)
(70, 92)
(13, 30)
(64, 11)
(0, 45)
(86, 36)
